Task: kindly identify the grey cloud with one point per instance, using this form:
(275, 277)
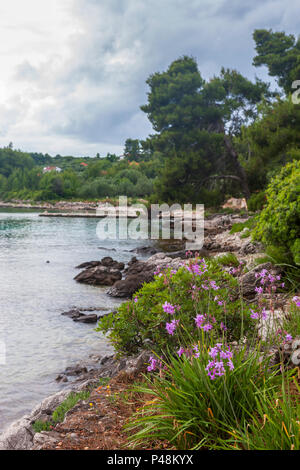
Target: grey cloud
(98, 90)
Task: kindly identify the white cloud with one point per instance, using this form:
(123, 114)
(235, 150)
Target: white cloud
(73, 71)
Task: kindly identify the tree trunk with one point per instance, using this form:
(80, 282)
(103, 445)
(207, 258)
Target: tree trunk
(238, 167)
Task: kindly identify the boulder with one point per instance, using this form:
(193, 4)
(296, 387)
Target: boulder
(139, 272)
(100, 273)
(99, 276)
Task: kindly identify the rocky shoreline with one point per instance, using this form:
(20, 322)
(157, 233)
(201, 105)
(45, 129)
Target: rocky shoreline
(123, 282)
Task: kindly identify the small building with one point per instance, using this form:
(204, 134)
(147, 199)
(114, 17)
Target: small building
(48, 169)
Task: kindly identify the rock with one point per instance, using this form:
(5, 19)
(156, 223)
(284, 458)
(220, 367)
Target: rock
(88, 264)
(139, 272)
(145, 250)
(100, 273)
(248, 281)
(75, 370)
(235, 204)
(99, 276)
(45, 438)
(288, 353)
(74, 313)
(18, 436)
(92, 318)
(77, 316)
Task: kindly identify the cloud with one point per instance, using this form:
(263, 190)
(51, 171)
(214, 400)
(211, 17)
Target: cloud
(76, 71)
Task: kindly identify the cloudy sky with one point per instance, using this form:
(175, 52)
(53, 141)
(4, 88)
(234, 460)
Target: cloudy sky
(73, 71)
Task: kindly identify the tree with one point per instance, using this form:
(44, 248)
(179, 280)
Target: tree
(270, 142)
(195, 119)
(280, 53)
(132, 150)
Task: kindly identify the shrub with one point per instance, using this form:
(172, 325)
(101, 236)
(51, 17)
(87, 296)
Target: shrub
(192, 411)
(256, 201)
(177, 298)
(279, 222)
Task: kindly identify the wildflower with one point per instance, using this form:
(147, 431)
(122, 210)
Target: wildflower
(171, 327)
(168, 308)
(259, 290)
(264, 314)
(296, 299)
(222, 326)
(199, 319)
(214, 285)
(180, 351)
(288, 337)
(254, 315)
(216, 368)
(206, 327)
(136, 299)
(152, 365)
(196, 353)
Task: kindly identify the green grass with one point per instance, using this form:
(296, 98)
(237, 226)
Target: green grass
(39, 426)
(239, 226)
(229, 259)
(190, 411)
(59, 414)
(69, 403)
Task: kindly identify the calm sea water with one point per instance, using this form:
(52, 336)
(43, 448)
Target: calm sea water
(40, 342)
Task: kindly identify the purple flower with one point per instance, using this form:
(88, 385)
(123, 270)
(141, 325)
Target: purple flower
(216, 368)
(296, 299)
(136, 299)
(180, 351)
(254, 315)
(199, 319)
(259, 290)
(206, 327)
(222, 326)
(288, 337)
(152, 365)
(171, 327)
(168, 308)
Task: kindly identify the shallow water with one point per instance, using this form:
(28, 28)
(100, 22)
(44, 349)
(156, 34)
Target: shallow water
(40, 342)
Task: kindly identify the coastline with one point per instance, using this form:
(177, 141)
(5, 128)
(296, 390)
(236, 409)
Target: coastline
(20, 435)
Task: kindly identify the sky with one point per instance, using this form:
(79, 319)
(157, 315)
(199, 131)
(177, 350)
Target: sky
(73, 72)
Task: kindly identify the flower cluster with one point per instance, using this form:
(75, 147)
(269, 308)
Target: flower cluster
(296, 299)
(216, 367)
(197, 269)
(171, 327)
(168, 308)
(200, 319)
(267, 281)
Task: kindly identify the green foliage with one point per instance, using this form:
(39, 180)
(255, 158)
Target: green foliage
(229, 259)
(279, 221)
(239, 226)
(39, 426)
(142, 324)
(280, 53)
(273, 426)
(190, 117)
(256, 201)
(191, 411)
(59, 414)
(270, 142)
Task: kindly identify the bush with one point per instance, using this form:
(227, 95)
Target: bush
(192, 411)
(256, 201)
(201, 288)
(279, 222)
